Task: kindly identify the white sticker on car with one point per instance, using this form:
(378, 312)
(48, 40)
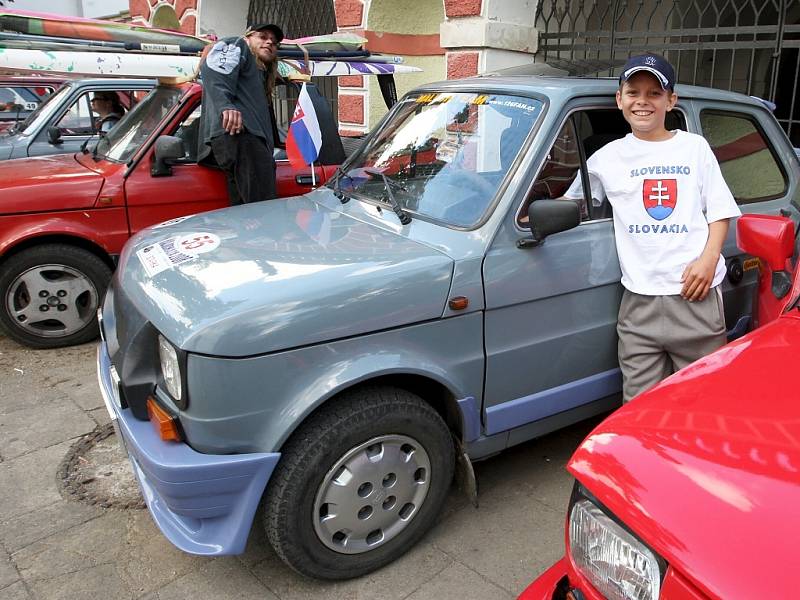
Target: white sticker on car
(161, 256)
(174, 251)
(197, 243)
(174, 221)
(223, 57)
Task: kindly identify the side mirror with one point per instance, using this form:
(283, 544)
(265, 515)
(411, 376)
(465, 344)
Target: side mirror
(54, 135)
(769, 237)
(168, 148)
(546, 217)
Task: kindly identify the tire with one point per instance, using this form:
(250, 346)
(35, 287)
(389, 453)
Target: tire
(401, 457)
(49, 295)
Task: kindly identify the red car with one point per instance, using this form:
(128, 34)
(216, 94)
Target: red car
(65, 218)
(691, 490)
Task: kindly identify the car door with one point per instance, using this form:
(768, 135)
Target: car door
(758, 165)
(189, 188)
(551, 310)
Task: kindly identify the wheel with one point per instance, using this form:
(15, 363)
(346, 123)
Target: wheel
(50, 295)
(359, 484)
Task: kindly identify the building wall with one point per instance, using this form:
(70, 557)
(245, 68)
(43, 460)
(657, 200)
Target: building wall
(73, 8)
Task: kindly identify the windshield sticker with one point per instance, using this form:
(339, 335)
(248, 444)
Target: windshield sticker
(433, 99)
(513, 104)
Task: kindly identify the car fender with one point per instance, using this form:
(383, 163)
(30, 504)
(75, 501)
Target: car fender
(105, 229)
(267, 397)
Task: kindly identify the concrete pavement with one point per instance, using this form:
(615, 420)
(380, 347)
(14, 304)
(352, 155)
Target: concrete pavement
(52, 547)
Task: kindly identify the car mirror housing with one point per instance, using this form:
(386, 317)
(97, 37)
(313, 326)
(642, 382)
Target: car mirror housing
(168, 149)
(54, 135)
(546, 217)
(769, 237)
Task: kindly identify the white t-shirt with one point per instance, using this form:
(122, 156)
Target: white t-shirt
(664, 195)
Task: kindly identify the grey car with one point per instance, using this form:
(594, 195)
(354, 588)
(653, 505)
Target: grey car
(336, 357)
(65, 121)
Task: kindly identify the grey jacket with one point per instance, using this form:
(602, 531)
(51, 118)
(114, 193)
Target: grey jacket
(232, 80)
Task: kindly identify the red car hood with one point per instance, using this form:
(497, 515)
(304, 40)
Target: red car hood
(47, 183)
(705, 468)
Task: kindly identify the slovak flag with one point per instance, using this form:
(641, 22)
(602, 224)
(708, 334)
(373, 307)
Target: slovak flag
(304, 139)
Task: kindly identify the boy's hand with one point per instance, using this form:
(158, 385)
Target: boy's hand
(698, 276)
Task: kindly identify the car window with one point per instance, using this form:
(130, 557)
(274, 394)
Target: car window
(446, 152)
(583, 134)
(188, 130)
(78, 119)
(14, 99)
(121, 143)
(745, 156)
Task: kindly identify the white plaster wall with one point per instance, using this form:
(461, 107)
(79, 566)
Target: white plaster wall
(224, 19)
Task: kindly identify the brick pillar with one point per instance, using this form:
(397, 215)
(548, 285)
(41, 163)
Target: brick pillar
(186, 11)
(350, 15)
(486, 35)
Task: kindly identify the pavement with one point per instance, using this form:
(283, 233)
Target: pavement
(54, 547)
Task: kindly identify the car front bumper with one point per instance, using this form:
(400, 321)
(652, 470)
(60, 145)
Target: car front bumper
(548, 586)
(203, 503)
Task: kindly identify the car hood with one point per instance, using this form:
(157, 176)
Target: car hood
(285, 273)
(705, 467)
(47, 183)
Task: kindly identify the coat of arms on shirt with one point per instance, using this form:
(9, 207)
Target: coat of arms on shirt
(660, 197)
(223, 57)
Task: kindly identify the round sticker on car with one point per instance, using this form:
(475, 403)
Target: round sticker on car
(197, 243)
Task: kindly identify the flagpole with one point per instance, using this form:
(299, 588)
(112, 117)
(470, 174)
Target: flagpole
(313, 176)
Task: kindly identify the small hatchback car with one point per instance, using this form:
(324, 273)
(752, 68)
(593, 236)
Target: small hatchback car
(688, 491)
(336, 356)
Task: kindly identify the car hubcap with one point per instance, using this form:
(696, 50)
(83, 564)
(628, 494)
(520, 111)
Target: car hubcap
(371, 494)
(52, 301)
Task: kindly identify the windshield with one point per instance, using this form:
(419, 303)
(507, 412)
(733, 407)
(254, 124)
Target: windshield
(122, 142)
(447, 151)
(43, 112)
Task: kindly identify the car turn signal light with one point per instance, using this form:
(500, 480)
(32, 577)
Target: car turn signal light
(165, 424)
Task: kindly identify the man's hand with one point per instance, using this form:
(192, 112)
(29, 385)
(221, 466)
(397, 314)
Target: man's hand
(698, 276)
(232, 121)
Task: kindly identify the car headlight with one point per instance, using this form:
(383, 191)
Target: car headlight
(170, 368)
(617, 564)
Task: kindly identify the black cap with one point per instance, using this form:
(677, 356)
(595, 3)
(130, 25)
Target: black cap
(276, 31)
(652, 63)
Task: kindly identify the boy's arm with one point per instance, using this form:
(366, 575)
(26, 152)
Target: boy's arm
(699, 274)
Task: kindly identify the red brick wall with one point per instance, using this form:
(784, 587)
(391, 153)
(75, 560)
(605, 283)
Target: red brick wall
(462, 8)
(351, 108)
(349, 13)
(462, 64)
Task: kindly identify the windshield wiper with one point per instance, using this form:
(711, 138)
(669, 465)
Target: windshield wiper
(404, 217)
(337, 186)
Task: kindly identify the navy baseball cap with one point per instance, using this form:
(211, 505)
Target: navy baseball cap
(276, 31)
(652, 63)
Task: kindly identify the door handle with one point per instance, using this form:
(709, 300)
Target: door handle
(303, 179)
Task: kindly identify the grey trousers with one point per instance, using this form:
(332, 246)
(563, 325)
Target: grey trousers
(659, 335)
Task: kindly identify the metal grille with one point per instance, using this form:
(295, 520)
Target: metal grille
(748, 46)
(300, 18)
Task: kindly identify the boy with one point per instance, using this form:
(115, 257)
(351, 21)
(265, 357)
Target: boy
(671, 211)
